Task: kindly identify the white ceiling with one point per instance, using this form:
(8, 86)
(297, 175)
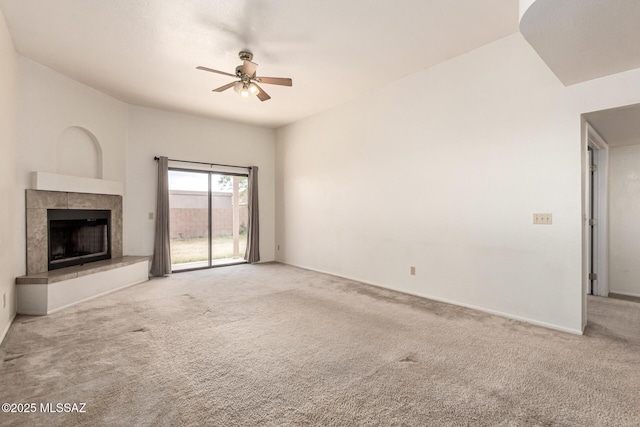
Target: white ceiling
(617, 126)
(145, 52)
(582, 40)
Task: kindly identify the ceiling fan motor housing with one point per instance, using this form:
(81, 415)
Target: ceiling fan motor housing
(245, 56)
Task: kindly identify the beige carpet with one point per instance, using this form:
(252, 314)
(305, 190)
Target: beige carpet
(272, 345)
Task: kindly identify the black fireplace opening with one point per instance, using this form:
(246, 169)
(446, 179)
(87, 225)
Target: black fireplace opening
(78, 236)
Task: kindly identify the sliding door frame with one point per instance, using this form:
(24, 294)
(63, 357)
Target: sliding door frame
(209, 174)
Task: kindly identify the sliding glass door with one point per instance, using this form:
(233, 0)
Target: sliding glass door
(209, 218)
(189, 219)
(229, 217)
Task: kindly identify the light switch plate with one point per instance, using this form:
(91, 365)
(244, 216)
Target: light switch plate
(542, 218)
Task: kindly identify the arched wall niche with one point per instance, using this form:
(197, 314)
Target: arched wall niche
(79, 153)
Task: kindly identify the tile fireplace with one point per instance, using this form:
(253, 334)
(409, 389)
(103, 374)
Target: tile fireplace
(65, 229)
(85, 228)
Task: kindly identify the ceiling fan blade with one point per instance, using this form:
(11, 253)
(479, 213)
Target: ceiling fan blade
(275, 81)
(262, 95)
(225, 87)
(249, 68)
(215, 71)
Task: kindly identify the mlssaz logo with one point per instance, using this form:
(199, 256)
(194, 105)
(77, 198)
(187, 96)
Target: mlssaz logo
(63, 407)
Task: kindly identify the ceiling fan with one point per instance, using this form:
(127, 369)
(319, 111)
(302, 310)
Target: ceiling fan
(247, 85)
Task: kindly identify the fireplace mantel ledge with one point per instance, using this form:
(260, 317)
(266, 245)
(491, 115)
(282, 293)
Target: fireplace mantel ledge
(75, 184)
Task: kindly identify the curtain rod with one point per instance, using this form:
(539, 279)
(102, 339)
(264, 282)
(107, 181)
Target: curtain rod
(204, 163)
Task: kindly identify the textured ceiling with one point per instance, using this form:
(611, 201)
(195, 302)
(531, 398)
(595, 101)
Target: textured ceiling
(145, 52)
(617, 126)
(582, 40)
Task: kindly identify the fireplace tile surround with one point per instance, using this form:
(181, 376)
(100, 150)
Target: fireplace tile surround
(37, 203)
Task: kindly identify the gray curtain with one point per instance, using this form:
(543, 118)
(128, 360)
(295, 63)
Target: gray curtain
(161, 263)
(253, 231)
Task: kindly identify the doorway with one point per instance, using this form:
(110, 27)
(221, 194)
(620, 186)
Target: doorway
(616, 188)
(208, 218)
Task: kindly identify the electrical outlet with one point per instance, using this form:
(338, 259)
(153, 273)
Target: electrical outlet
(412, 270)
(542, 218)
(278, 247)
(150, 215)
(4, 299)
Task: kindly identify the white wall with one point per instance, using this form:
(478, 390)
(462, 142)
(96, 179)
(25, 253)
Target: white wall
(442, 171)
(8, 145)
(184, 137)
(50, 103)
(624, 220)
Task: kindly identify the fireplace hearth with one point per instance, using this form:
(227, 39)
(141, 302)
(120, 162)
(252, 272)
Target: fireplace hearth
(77, 236)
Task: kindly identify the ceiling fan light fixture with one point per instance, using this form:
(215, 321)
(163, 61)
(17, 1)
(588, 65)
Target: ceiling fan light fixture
(245, 90)
(246, 75)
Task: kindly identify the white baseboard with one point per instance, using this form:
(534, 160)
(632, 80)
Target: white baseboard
(448, 301)
(4, 333)
(629, 294)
